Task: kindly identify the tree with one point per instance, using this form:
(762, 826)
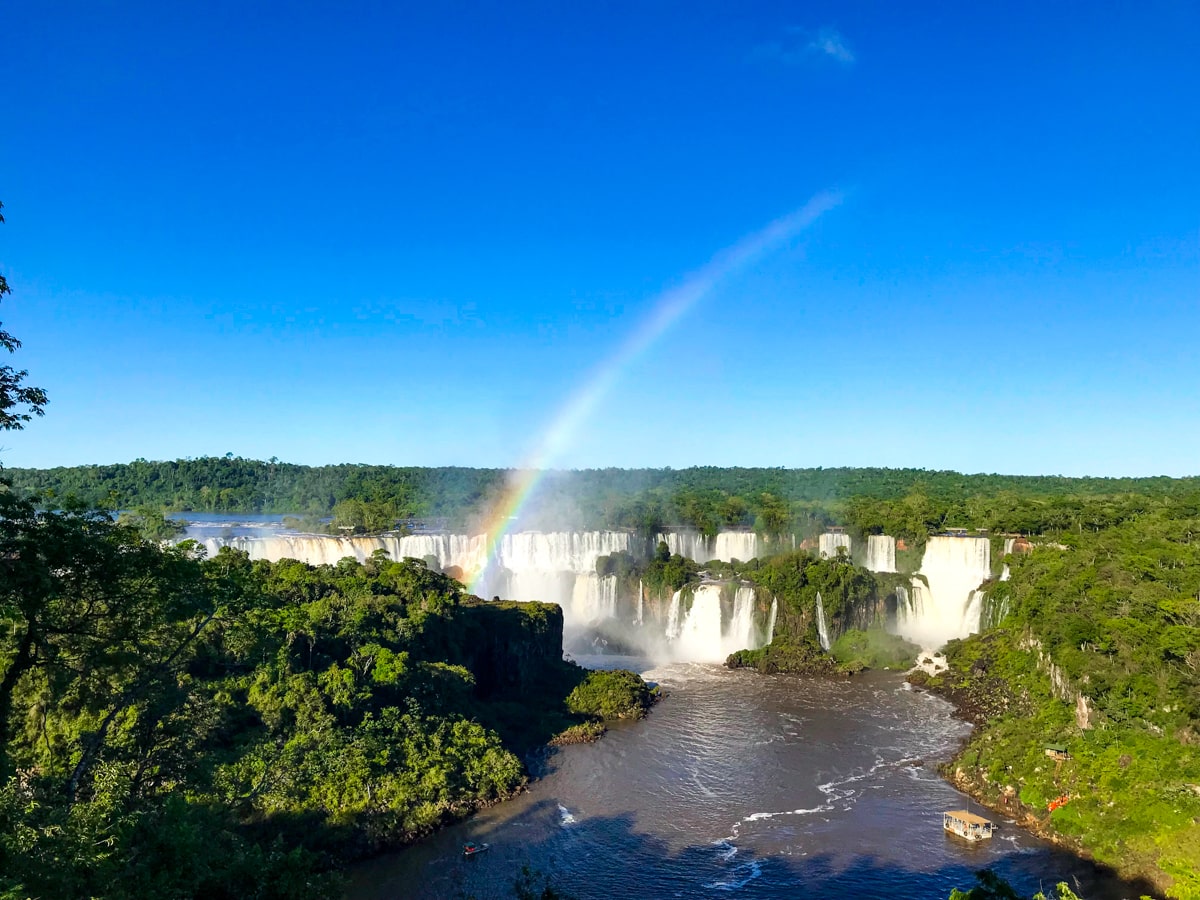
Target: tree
(773, 516)
(18, 401)
(152, 523)
(96, 621)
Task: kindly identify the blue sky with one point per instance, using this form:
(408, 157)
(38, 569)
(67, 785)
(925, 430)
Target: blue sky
(409, 234)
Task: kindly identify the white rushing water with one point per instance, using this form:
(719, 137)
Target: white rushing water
(726, 546)
(705, 634)
(593, 598)
(822, 626)
(949, 606)
(559, 567)
(743, 629)
(1008, 548)
(674, 616)
(830, 542)
(467, 552)
(881, 553)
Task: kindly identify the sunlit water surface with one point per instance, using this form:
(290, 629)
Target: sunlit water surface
(739, 784)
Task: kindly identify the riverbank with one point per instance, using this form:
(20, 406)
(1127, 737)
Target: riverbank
(768, 787)
(985, 702)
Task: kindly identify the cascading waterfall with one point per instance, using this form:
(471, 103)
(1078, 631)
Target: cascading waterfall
(593, 598)
(560, 567)
(946, 607)
(970, 619)
(466, 552)
(830, 541)
(673, 623)
(1009, 543)
(771, 621)
(881, 553)
(739, 545)
(742, 630)
(822, 626)
(726, 546)
(555, 567)
(703, 635)
(699, 637)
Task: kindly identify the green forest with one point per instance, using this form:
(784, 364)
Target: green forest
(176, 726)
(908, 503)
(1096, 647)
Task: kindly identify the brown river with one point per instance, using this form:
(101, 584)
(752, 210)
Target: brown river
(740, 785)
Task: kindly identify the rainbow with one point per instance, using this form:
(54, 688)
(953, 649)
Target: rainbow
(668, 308)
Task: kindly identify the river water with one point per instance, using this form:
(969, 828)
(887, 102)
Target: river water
(740, 785)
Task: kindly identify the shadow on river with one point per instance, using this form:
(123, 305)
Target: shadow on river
(742, 785)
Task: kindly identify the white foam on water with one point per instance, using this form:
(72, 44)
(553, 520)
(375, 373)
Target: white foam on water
(564, 816)
(740, 876)
(725, 849)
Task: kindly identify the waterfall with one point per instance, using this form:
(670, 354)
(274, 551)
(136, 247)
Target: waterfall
(559, 551)
(771, 620)
(1008, 548)
(593, 598)
(726, 546)
(560, 567)
(553, 567)
(993, 612)
(712, 629)
(673, 623)
(686, 543)
(739, 545)
(971, 613)
(822, 627)
(699, 636)
(742, 633)
(946, 608)
(830, 542)
(467, 552)
(881, 553)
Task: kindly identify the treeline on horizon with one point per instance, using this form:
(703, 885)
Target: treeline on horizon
(905, 502)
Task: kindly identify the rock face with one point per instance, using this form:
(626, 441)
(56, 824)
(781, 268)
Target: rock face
(1060, 685)
(1083, 712)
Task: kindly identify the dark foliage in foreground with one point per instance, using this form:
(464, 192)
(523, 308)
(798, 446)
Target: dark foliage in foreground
(177, 726)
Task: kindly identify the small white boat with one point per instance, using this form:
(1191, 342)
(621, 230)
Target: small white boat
(967, 826)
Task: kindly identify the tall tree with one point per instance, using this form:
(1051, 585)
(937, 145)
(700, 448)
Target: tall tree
(18, 401)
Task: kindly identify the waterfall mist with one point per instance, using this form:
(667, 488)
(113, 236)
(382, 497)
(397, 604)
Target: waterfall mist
(702, 623)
